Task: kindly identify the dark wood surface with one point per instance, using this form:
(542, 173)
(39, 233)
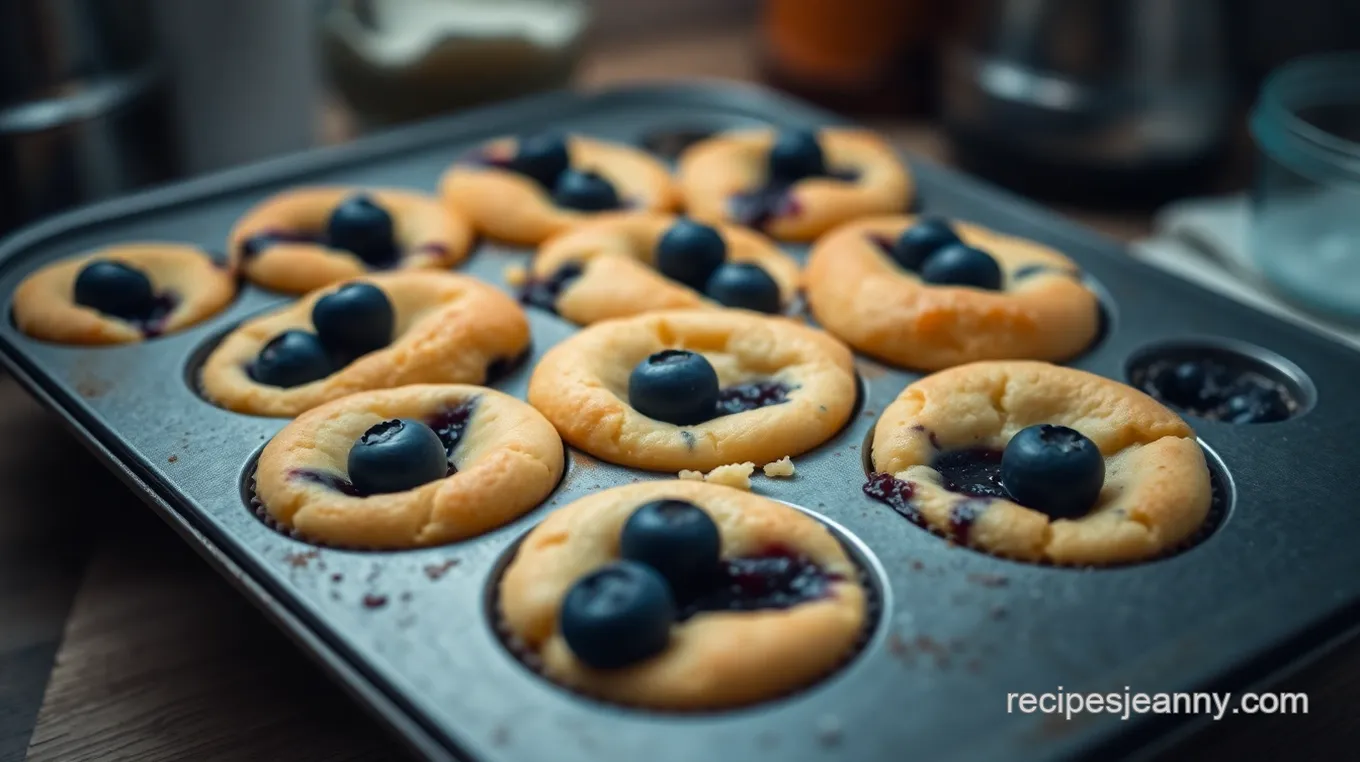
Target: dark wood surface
(158, 659)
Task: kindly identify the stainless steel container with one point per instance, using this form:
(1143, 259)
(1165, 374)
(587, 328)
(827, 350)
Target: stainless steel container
(1079, 98)
(83, 113)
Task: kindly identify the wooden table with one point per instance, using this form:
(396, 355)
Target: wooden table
(158, 659)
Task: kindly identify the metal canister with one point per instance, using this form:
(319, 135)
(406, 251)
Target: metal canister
(83, 110)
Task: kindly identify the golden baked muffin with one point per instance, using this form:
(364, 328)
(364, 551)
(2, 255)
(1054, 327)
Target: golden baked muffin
(375, 332)
(793, 185)
(122, 294)
(523, 191)
(695, 389)
(925, 293)
(306, 238)
(1041, 463)
(629, 263)
(681, 596)
(407, 467)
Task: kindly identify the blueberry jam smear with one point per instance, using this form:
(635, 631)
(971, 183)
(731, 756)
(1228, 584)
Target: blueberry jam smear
(451, 424)
(760, 206)
(896, 494)
(256, 244)
(752, 396)
(152, 324)
(1216, 392)
(544, 292)
(325, 479)
(777, 579)
(975, 471)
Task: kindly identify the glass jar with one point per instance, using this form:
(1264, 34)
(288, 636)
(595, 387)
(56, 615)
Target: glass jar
(1305, 235)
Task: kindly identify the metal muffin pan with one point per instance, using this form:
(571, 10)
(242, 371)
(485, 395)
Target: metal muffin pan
(408, 633)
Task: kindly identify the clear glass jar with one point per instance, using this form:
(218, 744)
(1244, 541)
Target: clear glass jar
(1305, 235)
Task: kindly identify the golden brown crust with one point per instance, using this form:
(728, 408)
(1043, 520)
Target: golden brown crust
(618, 252)
(581, 385)
(858, 293)
(449, 329)
(713, 171)
(780, 650)
(429, 234)
(1157, 489)
(507, 206)
(508, 460)
(45, 308)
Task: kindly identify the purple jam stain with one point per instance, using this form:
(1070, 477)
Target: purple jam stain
(975, 471)
(962, 517)
(1029, 271)
(744, 397)
(256, 244)
(481, 158)
(544, 292)
(883, 243)
(760, 206)
(896, 493)
(451, 424)
(374, 601)
(434, 249)
(325, 479)
(153, 323)
(779, 578)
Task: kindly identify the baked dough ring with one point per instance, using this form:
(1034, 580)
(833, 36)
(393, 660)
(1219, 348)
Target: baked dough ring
(715, 659)
(1157, 490)
(857, 292)
(618, 253)
(45, 307)
(508, 206)
(508, 460)
(581, 385)
(429, 235)
(449, 329)
(714, 171)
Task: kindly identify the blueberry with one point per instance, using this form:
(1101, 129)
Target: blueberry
(1186, 384)
(361, 227)
(674, 386)
(796, 155)
(689, 252)
(919, 241)
(115, 289)
(542, 158)
(396, 455)
(1053, 469)
(617, 615)
(676, 538)
(961, 265)
(585, 191)
(292, 358)
(355, 319)
(744, 285)
(1255, 404)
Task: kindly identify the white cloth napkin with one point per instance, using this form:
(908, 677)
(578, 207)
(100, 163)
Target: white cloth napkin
(1205, 241)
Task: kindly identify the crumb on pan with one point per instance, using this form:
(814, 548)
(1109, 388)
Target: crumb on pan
(516, 275)
(779, 468)
(737, 475)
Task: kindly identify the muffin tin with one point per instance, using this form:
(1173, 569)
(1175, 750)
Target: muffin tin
(410, 634)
